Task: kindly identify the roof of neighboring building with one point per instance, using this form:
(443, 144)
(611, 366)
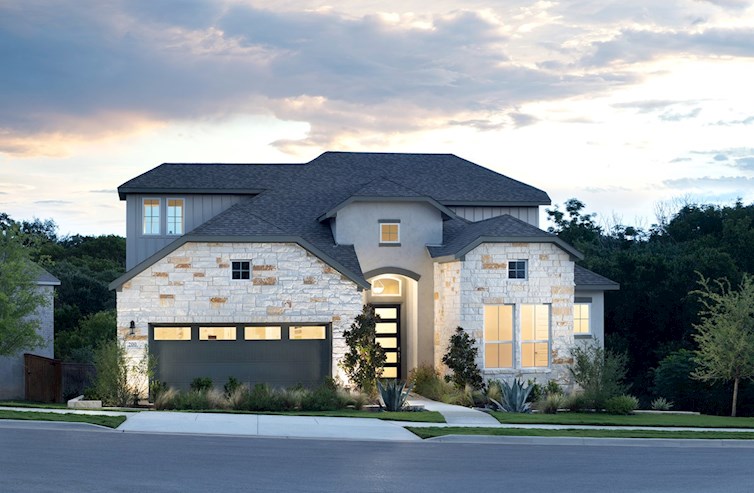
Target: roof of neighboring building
(44, 278)
(461, 236)
(586, 279)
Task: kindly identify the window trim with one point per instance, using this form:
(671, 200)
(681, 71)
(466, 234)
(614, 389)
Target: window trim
(588, 303)
(512, 271)
(167, 216)
(240, 269)
(144, 216)
(389, 222)
(535, 341)
(512, 341)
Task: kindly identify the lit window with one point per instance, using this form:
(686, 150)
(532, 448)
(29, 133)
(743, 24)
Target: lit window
(581, 318)
(241, 269)
(261, 333)
(217, 333)
(517, 269)
(386, 286)
(151, 220)
(175, 216)
(390, 233)
(498, 336)
(172, 333)
(307, 332)
(535, 336)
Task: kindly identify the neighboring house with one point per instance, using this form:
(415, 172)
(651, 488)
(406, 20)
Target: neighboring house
(12, 375)
(255, 270)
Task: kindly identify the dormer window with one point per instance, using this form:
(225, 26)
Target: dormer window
(151, 218)
(175, 216)
(390, 232)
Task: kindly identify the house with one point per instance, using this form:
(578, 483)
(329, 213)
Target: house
(255, 270)
(12, 375)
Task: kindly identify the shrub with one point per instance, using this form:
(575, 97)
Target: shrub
(324, 398)
(263, 398)
(365, 358)
(514, 397)
(231, 385)
(166, 400)
(599, 373)
(577, 402)
(156, 387)
(621, 404)
(201, 383)
(116, 382)
(550, 404)
(661, 404)
(393, 394)
(239, 399)
(428, 383)
(461, 359)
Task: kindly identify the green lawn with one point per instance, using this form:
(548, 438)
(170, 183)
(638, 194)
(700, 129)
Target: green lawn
(109, 421)
(415, 416)
(595, 419)
(431, 432)
(53, 405)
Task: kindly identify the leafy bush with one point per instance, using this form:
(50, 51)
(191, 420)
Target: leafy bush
(365, 358)
(230, 386)
(577, 402)
(541, 392)
(238, 399)
(662, 404)
(263, 398)
(393, 394)
(599, 373)
(116, 382)
(428, 383)
(201, 383)
(323, 398)
(551, 403)
(461, 359)
(621, 404)
(514, 397)
(156, 387)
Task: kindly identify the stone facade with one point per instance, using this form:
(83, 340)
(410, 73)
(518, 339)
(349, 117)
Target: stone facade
(482, 279)
(193, 285)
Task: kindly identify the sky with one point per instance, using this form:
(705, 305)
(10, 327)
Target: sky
(631, 107)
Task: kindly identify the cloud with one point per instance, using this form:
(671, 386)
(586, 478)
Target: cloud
(746, 163)
(104, 190)
(53, 202)
(670, 116)
(705, 183)
(726, 123)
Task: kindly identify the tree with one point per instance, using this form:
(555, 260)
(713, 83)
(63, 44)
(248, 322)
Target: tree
(461, 358)
(19, 296)
(725, 333)
(365, 357)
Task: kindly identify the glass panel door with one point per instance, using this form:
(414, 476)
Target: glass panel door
(389, 337)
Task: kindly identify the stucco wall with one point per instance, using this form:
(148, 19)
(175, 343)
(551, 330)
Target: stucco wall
(12, 367)
(193, 285)
(597, 299)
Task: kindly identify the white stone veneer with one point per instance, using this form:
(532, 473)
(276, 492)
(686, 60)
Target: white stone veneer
(482, 278)
(193, 285)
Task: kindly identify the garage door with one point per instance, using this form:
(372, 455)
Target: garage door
(280, 355)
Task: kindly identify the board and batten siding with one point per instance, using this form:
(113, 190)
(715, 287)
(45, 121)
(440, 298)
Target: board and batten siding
(198, 210)
(527, 214)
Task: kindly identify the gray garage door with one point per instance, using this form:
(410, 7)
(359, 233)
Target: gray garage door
(280, 355)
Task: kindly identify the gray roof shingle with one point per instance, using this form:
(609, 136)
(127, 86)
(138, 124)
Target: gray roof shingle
(584, 278)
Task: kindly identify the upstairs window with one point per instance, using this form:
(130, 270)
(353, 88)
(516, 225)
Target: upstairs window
(390, 233)
(240, 270)
(151, 218)
(517, 269)
(175, 216)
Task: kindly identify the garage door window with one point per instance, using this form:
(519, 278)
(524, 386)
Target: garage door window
(172, 333)
(217, 333)
(262, 333)
(306, 332)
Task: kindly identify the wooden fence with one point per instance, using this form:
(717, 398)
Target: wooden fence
(43, 379)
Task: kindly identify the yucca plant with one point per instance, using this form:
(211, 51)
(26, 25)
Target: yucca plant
(514, 397)
(393, 394)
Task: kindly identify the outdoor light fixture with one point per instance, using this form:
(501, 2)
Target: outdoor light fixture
(378, 287)
(132, 326)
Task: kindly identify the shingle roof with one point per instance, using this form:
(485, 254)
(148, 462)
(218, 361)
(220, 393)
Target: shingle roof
(460, 236)
(44, 278)
(584, 278)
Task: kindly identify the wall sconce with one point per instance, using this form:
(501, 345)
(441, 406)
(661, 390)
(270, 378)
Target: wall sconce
(378, 287)
(132, 326)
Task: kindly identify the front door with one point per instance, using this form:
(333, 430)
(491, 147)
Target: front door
(389, 337)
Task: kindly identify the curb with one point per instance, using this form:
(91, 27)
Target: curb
(596, 442)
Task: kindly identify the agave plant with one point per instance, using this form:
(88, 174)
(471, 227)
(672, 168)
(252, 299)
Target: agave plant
(513, 398)
(393, 394)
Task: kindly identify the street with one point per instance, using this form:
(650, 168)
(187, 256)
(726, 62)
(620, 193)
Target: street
(74, 459)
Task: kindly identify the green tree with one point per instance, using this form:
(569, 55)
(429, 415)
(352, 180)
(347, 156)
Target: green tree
(725, 333)
(92, 331)
(461, 358)
(599, 373)
(19, 296)
(365, 357)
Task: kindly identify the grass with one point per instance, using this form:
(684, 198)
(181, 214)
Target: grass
(431, 432)
(413, 416)
(95, 419)
(595, 419)
(54, 405)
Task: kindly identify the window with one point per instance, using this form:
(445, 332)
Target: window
(217, 333)
(172, 333)
(498, 336)
(517, 269)
(262, 333)
(390, 232)
(306, 332)
(582, 318)
(386, 286)
(151, 219)
(535, 336)
(240, 270)
(175, 216)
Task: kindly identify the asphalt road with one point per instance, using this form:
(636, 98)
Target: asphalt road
(60, 459)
